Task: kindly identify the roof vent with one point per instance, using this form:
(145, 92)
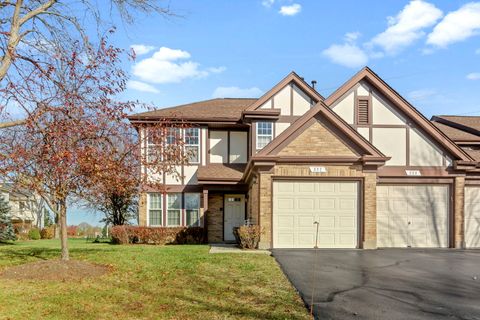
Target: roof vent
(314, 83)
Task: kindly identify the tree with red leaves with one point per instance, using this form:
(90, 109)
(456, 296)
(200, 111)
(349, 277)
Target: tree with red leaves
(76, 142)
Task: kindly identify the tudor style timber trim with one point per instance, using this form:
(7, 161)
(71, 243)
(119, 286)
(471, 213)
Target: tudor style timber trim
(372, 78)
(292, 77)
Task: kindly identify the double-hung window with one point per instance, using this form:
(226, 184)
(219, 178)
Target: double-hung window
(192, 144)
(264, 134)
(154, 145)
(172, 147)
(174, 209)
(192, 209)
(155, 209)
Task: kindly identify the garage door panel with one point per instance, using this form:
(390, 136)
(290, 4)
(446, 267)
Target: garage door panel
(306, 203)
(305, 221)
(472, 217)
(412, 216)
(335, 210)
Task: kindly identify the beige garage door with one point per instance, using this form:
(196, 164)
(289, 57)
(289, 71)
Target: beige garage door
(412, 216)
(472, 217)
(297, 205)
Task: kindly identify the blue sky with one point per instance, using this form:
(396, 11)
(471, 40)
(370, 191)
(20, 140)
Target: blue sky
(429, 51)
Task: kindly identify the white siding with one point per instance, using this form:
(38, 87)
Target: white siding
(267, 105)
(174, 178)
(392, 143)
(280, 127)
(383, 113)
(190, 174)
(301, 102)
(423, 152)
(203, 145)
(365, 132)
(238, 147)
(345, 108)
(218, 146)
(282, 101)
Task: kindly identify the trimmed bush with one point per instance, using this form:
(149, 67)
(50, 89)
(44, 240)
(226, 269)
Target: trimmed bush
(157, 235)
(34, 234)
(248, 237)
(47, 232)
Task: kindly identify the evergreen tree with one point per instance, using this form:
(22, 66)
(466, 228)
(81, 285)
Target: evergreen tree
(6, 227)
(47, 218)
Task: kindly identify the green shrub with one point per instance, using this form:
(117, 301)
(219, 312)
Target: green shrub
(47, 232)
(248, 237)
(157, 235)
(34, 234)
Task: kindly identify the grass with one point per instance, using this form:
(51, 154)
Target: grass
(150, 282)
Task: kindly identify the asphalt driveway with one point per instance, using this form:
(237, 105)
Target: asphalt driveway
(386, 283)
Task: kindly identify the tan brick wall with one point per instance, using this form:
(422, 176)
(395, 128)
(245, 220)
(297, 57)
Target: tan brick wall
(215, 217)
(317, 137)
(370, 194)
(252, 204)
(458, 211)
(142, 210)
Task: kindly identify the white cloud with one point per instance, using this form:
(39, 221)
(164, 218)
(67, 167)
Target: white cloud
(141, 49)
(141, 86)
(422, 94)
(407, 26)
(352, 36)
(473, 76)
(236, 92)
(267, 3)
(347, 54)
(290, 10)
(164, 67)
(456, 26)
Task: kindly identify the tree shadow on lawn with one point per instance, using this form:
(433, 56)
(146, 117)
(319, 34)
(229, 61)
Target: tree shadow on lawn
(25, 254)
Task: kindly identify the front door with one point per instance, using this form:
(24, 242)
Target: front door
(234, 214)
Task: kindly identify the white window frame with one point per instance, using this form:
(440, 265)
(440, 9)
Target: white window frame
(263, 135)
(180, 210)
(193, 145)
(197, 224)
(151, 145)
(149, 208)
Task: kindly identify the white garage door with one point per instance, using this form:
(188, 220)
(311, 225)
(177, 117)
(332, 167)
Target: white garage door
(472, 217)
(412, 216)
(297, 205)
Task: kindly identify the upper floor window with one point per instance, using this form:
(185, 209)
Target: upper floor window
(192, 144)
(264, 134)
(154, 145)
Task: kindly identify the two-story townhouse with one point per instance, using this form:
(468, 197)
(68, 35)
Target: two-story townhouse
(363, 166)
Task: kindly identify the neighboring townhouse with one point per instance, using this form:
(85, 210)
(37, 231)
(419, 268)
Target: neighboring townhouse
(465, 131)
(26, 209)
(363, 165)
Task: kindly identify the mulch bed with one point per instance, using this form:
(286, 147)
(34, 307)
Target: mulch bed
(56, 270)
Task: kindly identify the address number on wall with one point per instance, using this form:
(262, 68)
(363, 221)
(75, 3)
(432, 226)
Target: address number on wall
(413, 173)
(318, 169)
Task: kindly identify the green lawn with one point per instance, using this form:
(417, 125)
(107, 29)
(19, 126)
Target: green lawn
(150, 282)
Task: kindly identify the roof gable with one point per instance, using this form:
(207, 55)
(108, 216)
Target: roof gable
(333, 123)
(291, 78)
(410, 111)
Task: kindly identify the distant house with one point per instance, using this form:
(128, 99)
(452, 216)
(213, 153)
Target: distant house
(27, 209)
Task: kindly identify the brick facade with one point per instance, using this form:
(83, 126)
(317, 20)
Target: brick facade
(214, 216)
(317, 137)
(459, 212)
(142, 209)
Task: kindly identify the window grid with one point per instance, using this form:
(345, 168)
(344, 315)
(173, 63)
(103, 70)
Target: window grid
(174, 209)
(192, 144)
(155, 209)
(192, 208)
(264, 134)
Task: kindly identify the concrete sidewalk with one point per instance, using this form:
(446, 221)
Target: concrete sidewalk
(232, 248)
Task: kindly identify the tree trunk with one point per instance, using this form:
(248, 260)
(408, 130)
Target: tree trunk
(63, 231)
